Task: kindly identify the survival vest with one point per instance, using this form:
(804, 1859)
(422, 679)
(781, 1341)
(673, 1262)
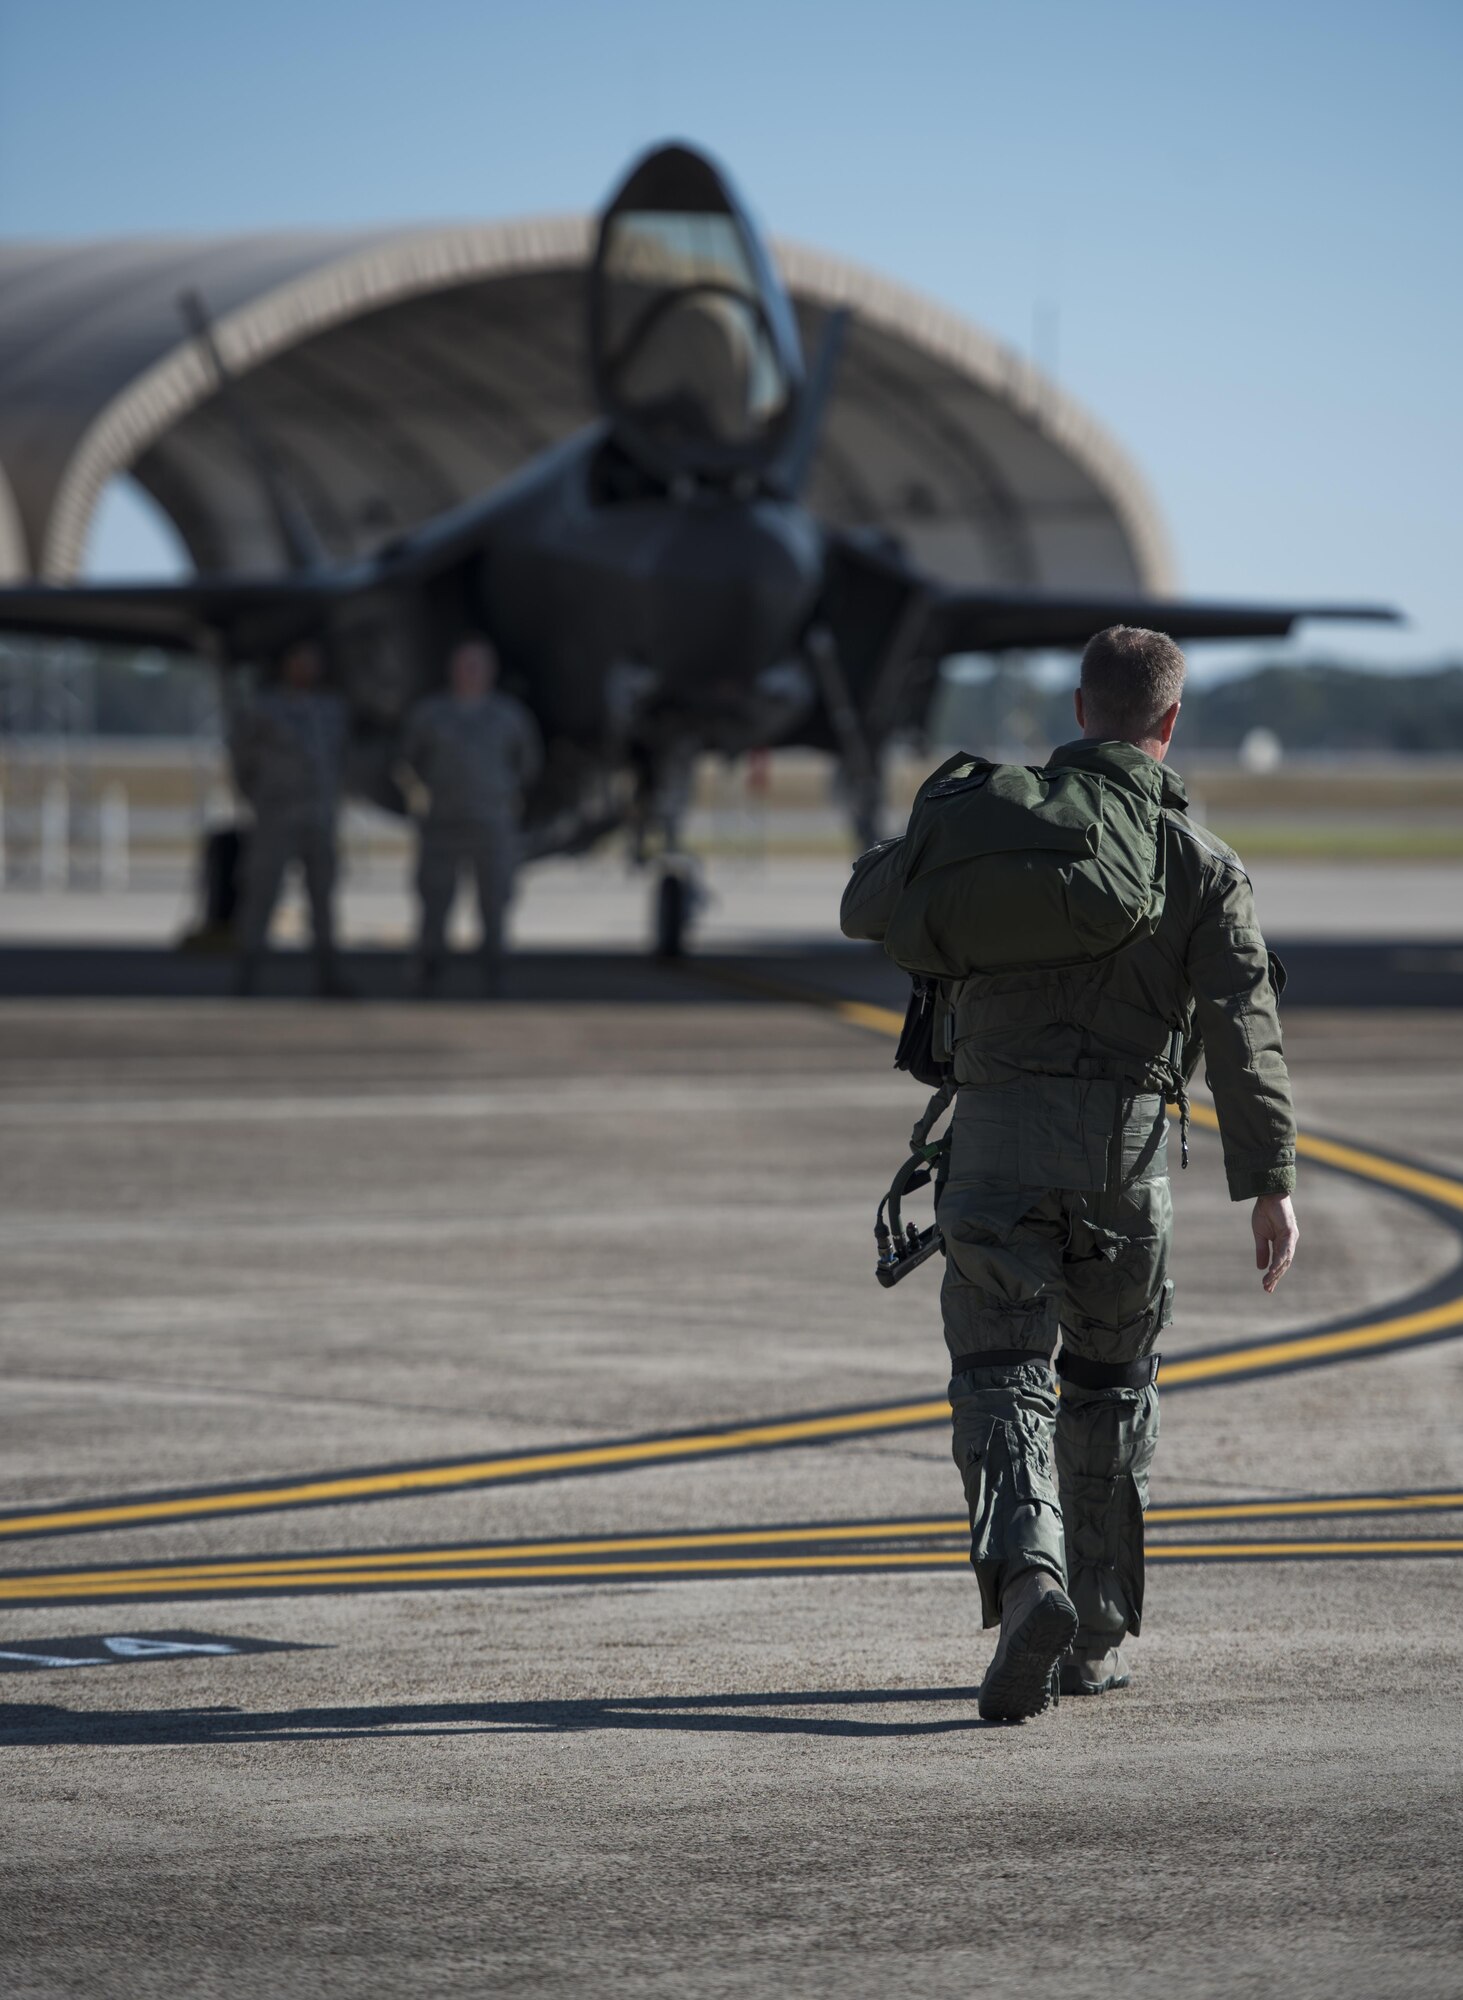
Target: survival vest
(1023, 868)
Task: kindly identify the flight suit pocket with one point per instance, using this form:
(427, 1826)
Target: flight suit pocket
(1117, 1341)
(970, 1448)
(1065, 1134)
(1035, 1469)
(1004, 1457)
(981, 1216)
(1087, 1240)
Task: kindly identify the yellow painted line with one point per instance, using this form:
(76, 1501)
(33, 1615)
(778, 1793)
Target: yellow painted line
(327, 1577)
(1313, 1347)
(1248, 1510)
(1240, 1551)
(123, 1583)
(1359, 1160)
(1329, 1152)
(867, 1531)
(1378, 1334)
(1373, 1167)
(883, 1020)
(529, 1551)
(1356, 1160)
(244, 1570)
(429, 1478)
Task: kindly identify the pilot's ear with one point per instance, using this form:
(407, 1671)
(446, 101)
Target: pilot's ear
(1077, 705)
(1167, 720)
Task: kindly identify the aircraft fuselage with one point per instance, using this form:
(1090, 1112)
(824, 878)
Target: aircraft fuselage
(682, 606)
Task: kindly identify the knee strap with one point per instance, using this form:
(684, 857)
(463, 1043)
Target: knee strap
(1000, 1357)
(1085, 1374)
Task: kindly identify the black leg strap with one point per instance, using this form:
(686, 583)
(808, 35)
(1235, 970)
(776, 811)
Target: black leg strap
(1000, 1357)
(1085, 1374)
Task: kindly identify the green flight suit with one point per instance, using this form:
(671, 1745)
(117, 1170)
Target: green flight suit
(1057, 1215)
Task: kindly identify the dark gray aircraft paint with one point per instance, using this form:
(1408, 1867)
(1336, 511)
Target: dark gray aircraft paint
(654, 584)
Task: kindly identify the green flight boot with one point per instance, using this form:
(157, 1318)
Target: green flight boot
(1086, 1670)
(1038, 1624)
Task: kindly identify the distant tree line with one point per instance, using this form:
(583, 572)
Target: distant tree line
(1315, 706)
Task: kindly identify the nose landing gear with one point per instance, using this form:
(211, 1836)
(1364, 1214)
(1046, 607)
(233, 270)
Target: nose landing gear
(675, 900)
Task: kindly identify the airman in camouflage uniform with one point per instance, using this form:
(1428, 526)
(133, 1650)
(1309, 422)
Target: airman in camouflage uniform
(1057, 1216)
(476, 751)
(288, 749)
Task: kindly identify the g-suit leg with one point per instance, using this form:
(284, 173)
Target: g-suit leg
(1117, 1299)
(1003, 1263)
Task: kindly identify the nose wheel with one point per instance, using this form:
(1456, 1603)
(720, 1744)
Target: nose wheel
(676, 898)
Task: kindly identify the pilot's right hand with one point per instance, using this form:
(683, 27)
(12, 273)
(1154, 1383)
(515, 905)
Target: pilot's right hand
(1276, 1235)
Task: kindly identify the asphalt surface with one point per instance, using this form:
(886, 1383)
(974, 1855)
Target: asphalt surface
(683, 1702)
(1321, 972)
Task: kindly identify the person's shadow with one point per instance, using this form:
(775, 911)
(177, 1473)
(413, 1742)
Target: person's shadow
(38, 1723)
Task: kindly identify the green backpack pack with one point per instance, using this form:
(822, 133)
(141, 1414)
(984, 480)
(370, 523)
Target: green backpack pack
(1017, 868)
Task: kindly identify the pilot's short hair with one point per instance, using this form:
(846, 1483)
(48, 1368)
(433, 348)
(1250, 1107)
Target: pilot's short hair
(1130, 679)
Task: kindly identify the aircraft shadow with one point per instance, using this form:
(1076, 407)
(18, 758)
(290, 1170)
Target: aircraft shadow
(1343, 973)
(779, 973)
(42, 1725)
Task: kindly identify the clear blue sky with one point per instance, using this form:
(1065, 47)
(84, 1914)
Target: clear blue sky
(1247, 217)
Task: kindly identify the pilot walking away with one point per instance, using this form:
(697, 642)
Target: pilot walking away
(476, 751)
(288, 751)
(1082, 943)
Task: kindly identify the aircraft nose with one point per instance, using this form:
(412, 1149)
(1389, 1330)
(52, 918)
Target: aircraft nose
(693, 342)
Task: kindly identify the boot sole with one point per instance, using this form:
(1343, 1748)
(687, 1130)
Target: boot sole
(1109, 1686)
(1024, 1686)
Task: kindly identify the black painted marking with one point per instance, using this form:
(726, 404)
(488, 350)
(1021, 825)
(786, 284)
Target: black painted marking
(132, 1649)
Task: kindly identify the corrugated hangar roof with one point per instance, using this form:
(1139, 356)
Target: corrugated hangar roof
(397, 373)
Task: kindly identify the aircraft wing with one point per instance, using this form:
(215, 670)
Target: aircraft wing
(180, 617)
(894, 625)
(980, 621)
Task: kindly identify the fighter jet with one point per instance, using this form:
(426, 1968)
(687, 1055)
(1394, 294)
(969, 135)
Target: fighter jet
(655, 585)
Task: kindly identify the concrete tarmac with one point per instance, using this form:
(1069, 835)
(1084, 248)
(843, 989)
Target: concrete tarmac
(270, 1265)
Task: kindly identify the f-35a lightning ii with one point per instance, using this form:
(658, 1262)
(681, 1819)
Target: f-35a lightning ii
(655, 584)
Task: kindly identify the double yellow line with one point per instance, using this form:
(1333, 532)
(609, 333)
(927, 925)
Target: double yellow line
(1374, 1336)
(938, 1543)
(462, 1570)
(563, 1462)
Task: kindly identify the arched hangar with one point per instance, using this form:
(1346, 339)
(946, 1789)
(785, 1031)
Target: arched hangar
(397, 373)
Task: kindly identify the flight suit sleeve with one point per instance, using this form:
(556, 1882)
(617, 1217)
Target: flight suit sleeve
(873, 890)
(1239, 1024)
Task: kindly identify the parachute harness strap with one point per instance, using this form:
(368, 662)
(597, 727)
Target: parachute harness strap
(1179, 1094)
(933, 1112)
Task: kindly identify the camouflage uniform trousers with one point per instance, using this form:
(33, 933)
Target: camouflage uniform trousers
(272, 846)
(488, 850)
(1057, 1214)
